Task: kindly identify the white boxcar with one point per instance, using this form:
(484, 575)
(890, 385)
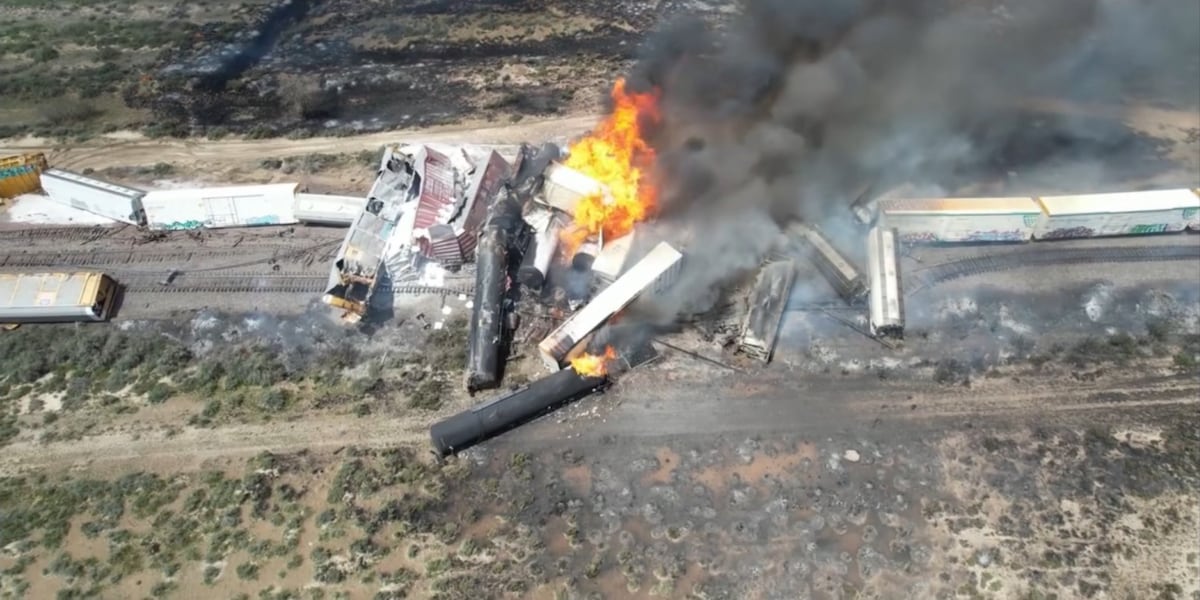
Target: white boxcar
(653, 272)
(109, 200)
(327, 209)
(56, 297)
(886, 292)
(208, 208)
(1122, 213)
(935, 220)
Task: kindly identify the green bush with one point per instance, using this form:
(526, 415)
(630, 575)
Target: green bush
(247, 571)
(44, 54)
(66, 111)
(160, 393)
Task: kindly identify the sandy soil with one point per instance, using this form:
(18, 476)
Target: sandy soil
(129, 150)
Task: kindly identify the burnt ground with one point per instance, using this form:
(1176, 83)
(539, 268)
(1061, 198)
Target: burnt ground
(963, 464)
(846, 489)
(266, 68)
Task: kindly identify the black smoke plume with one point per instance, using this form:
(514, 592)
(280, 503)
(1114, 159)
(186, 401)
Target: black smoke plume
(790, 108)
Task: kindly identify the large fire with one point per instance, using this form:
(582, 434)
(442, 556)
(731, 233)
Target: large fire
(616, 154)
(593, 365)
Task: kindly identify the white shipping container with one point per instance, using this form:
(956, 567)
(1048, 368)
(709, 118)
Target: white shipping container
(660, 265)
(1193, 214)
(109, 200)
(564, 187)
(1123, 213)
(939, 220)
(326, 209)
(237, 206)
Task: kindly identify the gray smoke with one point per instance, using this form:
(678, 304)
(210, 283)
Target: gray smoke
(788, 110)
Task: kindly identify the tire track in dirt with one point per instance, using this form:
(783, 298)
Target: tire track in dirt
(815, 409)
(109, 152)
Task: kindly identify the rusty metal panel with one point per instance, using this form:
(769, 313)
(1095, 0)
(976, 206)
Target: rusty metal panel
(437, 188)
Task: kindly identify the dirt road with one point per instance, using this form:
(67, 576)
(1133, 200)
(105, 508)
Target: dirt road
(135, 150)
(647, 410)
(131, 149)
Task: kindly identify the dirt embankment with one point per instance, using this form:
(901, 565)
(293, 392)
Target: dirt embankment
(136, 150)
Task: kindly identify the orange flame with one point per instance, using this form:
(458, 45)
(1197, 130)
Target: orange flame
(616, 154)
(591, 365)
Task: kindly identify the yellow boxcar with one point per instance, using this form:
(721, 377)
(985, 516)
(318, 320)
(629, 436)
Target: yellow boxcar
(19, 174)
(56, 297)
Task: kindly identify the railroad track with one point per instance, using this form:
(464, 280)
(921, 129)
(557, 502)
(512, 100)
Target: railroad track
(923, 278)
(252, 283)
(321, 252)
(60, 234)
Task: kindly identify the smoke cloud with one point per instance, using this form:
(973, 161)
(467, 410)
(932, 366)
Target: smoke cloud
(790, 109)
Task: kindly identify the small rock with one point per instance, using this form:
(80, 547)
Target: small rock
(851, 455)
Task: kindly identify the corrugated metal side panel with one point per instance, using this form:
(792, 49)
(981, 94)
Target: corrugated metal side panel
(20, 174)
(953, 228)
(1110, 224)
(437, 189)
(447, 252)
(234, 206)
(89, 181)
(92, 195)
(484, 191)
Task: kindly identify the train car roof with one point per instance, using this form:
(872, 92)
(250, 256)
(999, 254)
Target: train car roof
(973, 206)
(92, 182)
(24, 291)
(1145, 201)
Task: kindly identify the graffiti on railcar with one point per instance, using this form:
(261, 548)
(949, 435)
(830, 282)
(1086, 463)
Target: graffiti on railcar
(1146, 229)
(996, 235)
(920, 237)
(1068, 232)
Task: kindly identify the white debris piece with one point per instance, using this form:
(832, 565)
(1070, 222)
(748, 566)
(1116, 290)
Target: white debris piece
(851, 456)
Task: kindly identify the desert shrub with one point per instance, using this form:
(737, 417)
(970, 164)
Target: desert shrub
(159, 393)
(44, 54)
(247, 571)
(317, 162)
(274, 400)
(1185, 362)
(428, 394)
(107, 53)
(66, 111)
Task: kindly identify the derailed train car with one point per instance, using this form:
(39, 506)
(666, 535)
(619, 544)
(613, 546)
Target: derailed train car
(1041, 218)
(956, 220)
(56, 297)
(887, 293)
(1124, 213)
(833, 264)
